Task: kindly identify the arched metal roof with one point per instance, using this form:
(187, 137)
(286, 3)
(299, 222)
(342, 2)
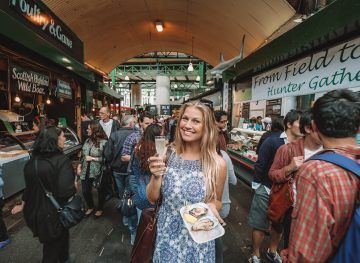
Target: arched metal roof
(114, 31)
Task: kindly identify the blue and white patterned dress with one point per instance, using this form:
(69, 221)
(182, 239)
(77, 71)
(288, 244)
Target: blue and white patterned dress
(183, 182)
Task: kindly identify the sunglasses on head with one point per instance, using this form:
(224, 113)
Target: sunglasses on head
(207, 103)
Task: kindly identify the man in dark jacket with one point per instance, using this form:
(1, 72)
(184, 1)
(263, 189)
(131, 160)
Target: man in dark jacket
(113, 152)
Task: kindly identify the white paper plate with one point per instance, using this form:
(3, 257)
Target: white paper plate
(202, 236)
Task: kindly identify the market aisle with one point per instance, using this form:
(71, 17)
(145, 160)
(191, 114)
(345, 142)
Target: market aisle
(106, 240)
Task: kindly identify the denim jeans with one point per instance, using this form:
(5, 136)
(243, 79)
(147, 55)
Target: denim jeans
(139, 211)
(132, 223)
(123, 182)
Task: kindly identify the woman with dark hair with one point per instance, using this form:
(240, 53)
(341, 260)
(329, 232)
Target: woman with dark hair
(141, 172)
(91, 166)
(49, 166)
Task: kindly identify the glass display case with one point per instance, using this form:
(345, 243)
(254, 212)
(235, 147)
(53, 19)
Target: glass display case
(242, 151)
(14, 153)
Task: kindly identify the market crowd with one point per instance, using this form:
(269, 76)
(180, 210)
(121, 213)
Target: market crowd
(300, 195)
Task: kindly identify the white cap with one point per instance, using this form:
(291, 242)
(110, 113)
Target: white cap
(267, 120)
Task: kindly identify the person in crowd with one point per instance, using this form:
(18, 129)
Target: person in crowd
(195, 164)
(56, 173)
(262, 184)
(259, 124)
(225, 201)
(91, 166)
(140, 167)
(85, 120)
(4, 238)
(39, 124)
(276, 127)
(266, 123)
(145, 120)
(288, 159)
(113, 150)
(221, 120)
(119, 167)
(230, 179)
(327, 194)
(172, 125)
(108, 124)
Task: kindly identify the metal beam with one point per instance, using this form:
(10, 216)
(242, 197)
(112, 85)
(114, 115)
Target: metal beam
(158, 69)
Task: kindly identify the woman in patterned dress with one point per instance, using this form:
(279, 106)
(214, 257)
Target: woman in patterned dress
(194, 173)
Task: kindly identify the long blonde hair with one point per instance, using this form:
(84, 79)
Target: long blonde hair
(210, 166)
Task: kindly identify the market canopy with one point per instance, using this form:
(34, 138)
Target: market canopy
(115, 31)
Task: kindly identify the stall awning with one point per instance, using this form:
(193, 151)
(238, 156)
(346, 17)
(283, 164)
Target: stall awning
(335, 22)
(19, 33)
(105, 89)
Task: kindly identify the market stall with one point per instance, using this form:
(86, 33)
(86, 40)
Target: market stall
(16, 140)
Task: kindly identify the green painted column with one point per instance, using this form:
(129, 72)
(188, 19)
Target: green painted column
(113, 75)
(202, 72)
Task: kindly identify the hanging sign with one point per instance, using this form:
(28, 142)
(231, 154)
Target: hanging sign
(333, 68)
(36, 16)
(165, 110)
(28, 81)
(63, 90)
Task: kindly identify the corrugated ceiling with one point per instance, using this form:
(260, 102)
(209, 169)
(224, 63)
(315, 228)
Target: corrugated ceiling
(114, 31)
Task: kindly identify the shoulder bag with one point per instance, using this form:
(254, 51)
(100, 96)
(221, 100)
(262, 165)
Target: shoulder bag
(72, 212)
(281, 198)
(126, 206)
(144, 245)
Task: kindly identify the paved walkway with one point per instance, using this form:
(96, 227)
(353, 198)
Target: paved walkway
(107, 240)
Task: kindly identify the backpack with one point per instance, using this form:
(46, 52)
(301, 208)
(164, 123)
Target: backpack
(349, 248)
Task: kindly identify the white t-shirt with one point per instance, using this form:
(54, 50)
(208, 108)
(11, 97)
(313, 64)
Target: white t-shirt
(308, 153)
(107, 126)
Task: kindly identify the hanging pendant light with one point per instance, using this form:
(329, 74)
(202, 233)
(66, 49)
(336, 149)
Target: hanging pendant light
(190, 67)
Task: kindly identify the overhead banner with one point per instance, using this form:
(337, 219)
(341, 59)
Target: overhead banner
(23, 80)
(334, 68)
(63, 90)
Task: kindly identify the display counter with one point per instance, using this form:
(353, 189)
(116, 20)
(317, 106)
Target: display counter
(242, 152)
(14, 154)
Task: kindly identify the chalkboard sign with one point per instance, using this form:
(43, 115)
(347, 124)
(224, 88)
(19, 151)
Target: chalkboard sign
(165, 110)
(152, 109)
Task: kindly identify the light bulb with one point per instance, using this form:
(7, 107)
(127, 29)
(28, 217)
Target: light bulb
(48, 101)
(127, 77)
(159, 26)
(17, 99)
(190, 67)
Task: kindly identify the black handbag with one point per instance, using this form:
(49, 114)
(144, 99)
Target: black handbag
(126, 206)
(98, 179)
(72, 212)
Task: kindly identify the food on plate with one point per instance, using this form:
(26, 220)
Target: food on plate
(189, 218)
(198, 211)
(205, 224)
